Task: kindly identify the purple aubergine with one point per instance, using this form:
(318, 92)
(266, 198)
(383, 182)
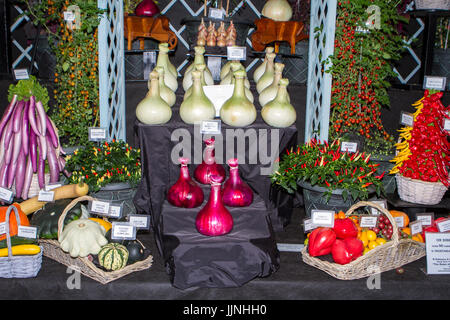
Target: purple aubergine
(20, 173)
(27, 180)
(41, 172)
(25, 130)
(8, 133)
(62, 163)
(33, 150)
(17, 146)
(4, 175)
(42, 118)
(18, 116)
(42, 143)
(9, 150)
(52, 162)
(7, 114)
(52, 132)
(11, 173)
(32, 116)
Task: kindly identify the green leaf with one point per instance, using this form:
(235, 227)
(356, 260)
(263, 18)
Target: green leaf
(355, 194)
(314, 179)
(344, 194)
(65, 66)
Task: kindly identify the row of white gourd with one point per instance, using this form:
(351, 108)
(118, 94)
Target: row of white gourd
(238, 111)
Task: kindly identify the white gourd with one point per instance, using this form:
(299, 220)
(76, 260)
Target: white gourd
(279, 113)
(278, 10)
(267, 77)
(170, 72)
(82, 237)
(269, 93)
(198, 59)
(165, 92)
(235, 66)
(201, 68)
(262, 67)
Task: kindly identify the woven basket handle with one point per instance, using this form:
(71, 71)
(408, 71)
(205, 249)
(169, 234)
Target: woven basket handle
(66, 209)
(381, 209)
(8, 237)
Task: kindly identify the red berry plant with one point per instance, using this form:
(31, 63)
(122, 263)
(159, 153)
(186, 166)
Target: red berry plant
(366, 40)
(423, 151)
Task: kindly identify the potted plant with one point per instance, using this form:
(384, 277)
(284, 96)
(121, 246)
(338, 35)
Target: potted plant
(111, 169)
(331, 179)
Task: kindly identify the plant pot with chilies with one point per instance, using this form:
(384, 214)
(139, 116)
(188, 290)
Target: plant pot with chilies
(422, 159)
(330, 178)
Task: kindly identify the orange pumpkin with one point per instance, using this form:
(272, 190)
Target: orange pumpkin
(396, 213)
(13, 229)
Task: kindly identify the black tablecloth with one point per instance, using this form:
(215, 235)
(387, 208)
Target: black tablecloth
(194, 260)
(160, 168)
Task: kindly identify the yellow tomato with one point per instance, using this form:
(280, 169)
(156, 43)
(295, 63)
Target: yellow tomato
(363, 238)
(366, 250)
(381, 241)
(372, 245)
(371, 235)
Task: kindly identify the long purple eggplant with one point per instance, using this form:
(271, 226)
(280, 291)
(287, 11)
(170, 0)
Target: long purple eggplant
(7, 114)
(11, 173)
(32, 116)
(62, 163)
(52, 162)
(9, 150)
(41, 172)
(18, 116)
(4, 175)
(8, 133)
(33, 150)
(51, 131)
(25, 130)
(42, 118)
(27, 180)
(42, 143)
(19, 177)
(17, 146)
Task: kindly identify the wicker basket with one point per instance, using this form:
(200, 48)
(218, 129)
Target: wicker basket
(432, 4)
(18, 266)
(34, 186)
(418, 191)
(84, 265)
(391, 255)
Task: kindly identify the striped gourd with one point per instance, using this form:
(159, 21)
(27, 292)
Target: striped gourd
(113, 256)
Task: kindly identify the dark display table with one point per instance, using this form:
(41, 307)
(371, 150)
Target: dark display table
(254, 254)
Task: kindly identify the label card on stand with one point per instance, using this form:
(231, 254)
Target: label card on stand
(447, 124)
(99, 207)
(218, 94)
(46, 196)
(115, 211)
(406, 119)
(215, 13)
(21, 74)
(149, 60)
(347, 146)
(28, 232)
(443, 225)
(433, 82)
(308, 225)
(322, 218)
(97, 134)
(2, 227)
(236, 53)
(416, 227)
(51, 186)
(69, 16)
(425, 218)
(369, 221)
(6, 195)
(399, 221)
(381, 203)
(438, 252)
(140, 221)
(211, 127)
(123, 231)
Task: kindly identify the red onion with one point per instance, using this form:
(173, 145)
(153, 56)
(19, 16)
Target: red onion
(146, 8)
(185, 193)
(236, 193)
(209, 166)
(214, 219)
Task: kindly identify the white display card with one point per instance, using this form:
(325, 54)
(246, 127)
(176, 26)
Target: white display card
(218, 94)
(438, 252)
(322, 218)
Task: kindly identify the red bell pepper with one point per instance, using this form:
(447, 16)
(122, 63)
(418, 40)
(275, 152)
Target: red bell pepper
(347, 250)
(345, 228)
(320, 241)
(432, 228)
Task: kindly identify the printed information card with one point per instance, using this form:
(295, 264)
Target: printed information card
(438, 252)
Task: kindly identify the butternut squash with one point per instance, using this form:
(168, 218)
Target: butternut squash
(20, 250)
(64, 192)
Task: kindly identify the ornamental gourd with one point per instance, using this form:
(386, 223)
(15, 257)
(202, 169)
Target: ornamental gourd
(279, 112)
(259, 71)
(268, 75)
(82, 237)
(113, 256)
(278, 10)
(13, 225)
(170, 72)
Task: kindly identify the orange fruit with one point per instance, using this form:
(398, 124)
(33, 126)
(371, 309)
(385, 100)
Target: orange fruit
(396, 213)
(341, 215)
(406, 230)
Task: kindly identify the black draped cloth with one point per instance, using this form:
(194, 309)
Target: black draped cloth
(249, 251)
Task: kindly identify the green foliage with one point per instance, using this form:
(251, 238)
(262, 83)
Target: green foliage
(24, 89)
(326, 166)
(110, 162)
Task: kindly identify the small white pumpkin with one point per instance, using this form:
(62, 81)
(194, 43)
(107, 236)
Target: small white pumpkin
(82, 237)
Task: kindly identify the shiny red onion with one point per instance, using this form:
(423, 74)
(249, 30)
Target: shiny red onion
(185, 193)
(146, 8)
(214, 219)
(236, 193)
(209, 166)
